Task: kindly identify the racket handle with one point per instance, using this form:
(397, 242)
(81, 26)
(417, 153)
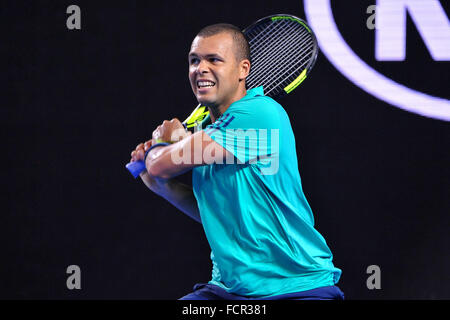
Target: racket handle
(136, 168)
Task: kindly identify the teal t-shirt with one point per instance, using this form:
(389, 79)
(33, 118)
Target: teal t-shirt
(256, 218)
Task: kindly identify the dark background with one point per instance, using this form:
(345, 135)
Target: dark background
(75, 103)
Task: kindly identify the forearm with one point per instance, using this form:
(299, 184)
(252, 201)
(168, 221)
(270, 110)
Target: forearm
(182, 197)
(177, 193)
(195, 150)
(160, 161)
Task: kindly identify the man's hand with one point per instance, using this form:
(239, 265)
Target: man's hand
(139, 153)
(170, 131)
(154, 184)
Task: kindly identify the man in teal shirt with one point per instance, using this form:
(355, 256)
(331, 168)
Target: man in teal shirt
(246, 190)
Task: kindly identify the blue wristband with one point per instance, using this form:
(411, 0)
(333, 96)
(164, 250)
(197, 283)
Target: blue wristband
(159, 144)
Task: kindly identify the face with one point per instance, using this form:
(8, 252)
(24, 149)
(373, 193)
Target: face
(215, 74)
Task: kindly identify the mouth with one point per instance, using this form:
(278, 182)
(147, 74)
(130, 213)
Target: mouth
(205, 84)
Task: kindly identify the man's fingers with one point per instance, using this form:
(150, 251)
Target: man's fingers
(147, 145)
(139, 152)
(139, 146)
(137, 155)
(175, 120)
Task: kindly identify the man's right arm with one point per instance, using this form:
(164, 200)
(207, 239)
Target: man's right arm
(177, 193)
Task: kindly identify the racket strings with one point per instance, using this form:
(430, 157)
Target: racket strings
(273, 74)
(291, 77)
(286, 72)
(279, 63)
(269, 54)
(270, 61)
(262, 34)
(285, 77)
(257, 32)
(273, 39)
(282, 31)
(279, 58)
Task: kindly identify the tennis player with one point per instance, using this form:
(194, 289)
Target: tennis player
(258, 223)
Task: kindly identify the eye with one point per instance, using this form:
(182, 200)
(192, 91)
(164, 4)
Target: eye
(194, 60)
(214, 60)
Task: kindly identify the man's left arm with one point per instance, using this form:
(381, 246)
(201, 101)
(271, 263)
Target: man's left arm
(185, 152)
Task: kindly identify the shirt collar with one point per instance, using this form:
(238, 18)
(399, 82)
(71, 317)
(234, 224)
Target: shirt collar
(258, 91)
(251, 93)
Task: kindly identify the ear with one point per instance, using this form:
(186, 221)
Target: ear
(244, 69)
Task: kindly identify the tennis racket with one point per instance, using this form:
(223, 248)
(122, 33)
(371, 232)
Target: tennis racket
(283, 50)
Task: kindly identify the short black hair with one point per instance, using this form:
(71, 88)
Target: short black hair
(242, 48)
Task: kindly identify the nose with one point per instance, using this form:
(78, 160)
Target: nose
(202, 67)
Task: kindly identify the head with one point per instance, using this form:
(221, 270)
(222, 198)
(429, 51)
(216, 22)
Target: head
(219, 62)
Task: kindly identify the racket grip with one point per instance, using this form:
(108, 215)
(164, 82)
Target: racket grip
(136, 168)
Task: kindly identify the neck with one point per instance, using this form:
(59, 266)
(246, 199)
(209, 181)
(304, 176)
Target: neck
(216, 111)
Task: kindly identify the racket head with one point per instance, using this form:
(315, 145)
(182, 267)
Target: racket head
(283, 50)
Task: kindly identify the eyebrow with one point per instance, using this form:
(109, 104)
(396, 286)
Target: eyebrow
(210, 55)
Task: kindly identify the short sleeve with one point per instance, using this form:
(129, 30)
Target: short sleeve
(249, 129)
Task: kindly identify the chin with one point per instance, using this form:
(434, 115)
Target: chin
(206, 102)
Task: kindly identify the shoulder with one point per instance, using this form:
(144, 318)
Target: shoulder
(258, 105)
(256, 112)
